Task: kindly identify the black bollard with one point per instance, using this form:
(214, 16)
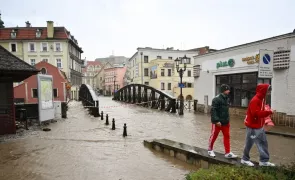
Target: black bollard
(107, 119)
(113, 125)
(125, 130)
(101, 117)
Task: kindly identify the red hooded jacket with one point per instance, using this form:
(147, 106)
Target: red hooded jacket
(256, 112)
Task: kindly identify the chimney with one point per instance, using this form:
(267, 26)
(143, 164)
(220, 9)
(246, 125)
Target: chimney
(28, 24)
(50, 29)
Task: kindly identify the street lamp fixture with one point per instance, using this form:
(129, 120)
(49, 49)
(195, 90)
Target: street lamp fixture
(181, 60)
(114, 85)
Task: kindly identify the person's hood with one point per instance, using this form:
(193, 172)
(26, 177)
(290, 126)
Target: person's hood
(261, 90)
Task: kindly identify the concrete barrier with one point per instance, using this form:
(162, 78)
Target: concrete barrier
(190, 154)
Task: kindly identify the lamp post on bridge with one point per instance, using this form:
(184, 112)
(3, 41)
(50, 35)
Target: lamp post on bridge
(180, 71)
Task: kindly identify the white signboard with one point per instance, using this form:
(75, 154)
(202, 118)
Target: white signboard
(265, 69)
(45, 97)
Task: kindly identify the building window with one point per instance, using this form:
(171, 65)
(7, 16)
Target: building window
(38, 33)
(146, 59)
(169, 72)
(55, 93)
(45, 60)
(189, 85)
(170, 57)
(162, 72)
(159, 57)
(189, 73)
(146, 71)
(146, 83)
(169, 86)
(58, 63)
(162, 86)
(43, 71)
(242, 87)
(13, 34)
(13, 47)
(44, 46)
(33, 62)
(34, 93)
(58, 47)
(32, 47)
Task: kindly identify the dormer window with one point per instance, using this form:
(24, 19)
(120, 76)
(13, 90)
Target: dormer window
(38, 33)
(13, 34)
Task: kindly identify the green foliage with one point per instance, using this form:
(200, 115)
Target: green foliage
(226, 172)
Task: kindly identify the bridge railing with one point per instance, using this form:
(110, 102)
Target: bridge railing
(89, 99)
(146, 96)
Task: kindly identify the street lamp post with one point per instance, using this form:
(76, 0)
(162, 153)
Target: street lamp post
(114, 85)
(141, 68)
(181, 72)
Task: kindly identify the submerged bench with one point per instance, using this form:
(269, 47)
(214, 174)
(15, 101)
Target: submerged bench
(190, 154)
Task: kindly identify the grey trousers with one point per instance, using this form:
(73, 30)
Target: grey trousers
(258, 137)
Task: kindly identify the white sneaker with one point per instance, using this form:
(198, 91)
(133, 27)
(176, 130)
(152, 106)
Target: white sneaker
(230, 155)
(211, 153)
(247, 163)
(266, 164)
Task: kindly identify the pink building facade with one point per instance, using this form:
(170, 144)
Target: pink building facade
(114, 76)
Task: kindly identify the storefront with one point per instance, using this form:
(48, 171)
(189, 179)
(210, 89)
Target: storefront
(238, 67)
(242, 87)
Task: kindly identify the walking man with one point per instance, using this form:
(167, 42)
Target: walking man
(254, 121)
(220, 121)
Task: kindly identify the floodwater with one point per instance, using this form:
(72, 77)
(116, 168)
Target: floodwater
(83, 147)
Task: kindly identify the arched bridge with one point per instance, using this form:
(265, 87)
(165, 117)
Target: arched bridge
(89, 99)
(146, 96)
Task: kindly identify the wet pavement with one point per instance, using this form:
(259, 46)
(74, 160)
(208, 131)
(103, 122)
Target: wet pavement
(83, 147)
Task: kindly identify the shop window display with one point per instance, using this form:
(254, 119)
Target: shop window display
(242, 87)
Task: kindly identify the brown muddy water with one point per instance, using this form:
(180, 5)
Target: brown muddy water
(83, 147)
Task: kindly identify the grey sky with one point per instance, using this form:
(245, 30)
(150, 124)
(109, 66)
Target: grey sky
(103, 26)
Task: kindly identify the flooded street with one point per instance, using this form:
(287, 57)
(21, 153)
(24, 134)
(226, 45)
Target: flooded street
(83, 147)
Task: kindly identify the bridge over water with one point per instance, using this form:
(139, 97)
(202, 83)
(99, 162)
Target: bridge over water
(83, 147)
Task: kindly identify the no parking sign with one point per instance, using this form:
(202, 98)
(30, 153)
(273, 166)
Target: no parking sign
(265, 69)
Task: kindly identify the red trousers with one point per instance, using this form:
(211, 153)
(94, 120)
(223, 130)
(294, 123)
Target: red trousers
(226, 137)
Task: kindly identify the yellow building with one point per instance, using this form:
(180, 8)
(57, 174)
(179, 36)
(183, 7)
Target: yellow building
(162, 75)
(148, 59)
(54, 45)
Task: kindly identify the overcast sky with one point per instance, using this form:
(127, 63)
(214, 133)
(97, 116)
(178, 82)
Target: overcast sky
(120, 26)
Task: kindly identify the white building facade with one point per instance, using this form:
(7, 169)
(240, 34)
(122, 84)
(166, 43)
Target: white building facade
(238, 67)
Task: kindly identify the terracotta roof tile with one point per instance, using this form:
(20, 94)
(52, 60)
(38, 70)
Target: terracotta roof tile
(30, 33)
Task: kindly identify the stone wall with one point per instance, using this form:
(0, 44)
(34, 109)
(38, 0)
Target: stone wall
(280, 119)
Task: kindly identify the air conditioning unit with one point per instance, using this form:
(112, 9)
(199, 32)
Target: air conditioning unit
(281, 59)
(197, 70)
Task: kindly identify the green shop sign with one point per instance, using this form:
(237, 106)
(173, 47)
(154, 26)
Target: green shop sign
(230, 63)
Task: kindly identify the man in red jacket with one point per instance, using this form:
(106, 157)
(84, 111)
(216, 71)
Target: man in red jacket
(254, 122)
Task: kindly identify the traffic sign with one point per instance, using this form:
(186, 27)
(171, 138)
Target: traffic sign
(181, 85)
(265, 68)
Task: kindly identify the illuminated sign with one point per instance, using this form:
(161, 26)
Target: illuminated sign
(230, 63)
(252, 59)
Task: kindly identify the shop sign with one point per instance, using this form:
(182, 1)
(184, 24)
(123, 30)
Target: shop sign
(229, 63)
(168, 65)
(252, 59)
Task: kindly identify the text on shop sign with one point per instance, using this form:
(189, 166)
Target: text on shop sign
(252, 59)
(230, 63)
